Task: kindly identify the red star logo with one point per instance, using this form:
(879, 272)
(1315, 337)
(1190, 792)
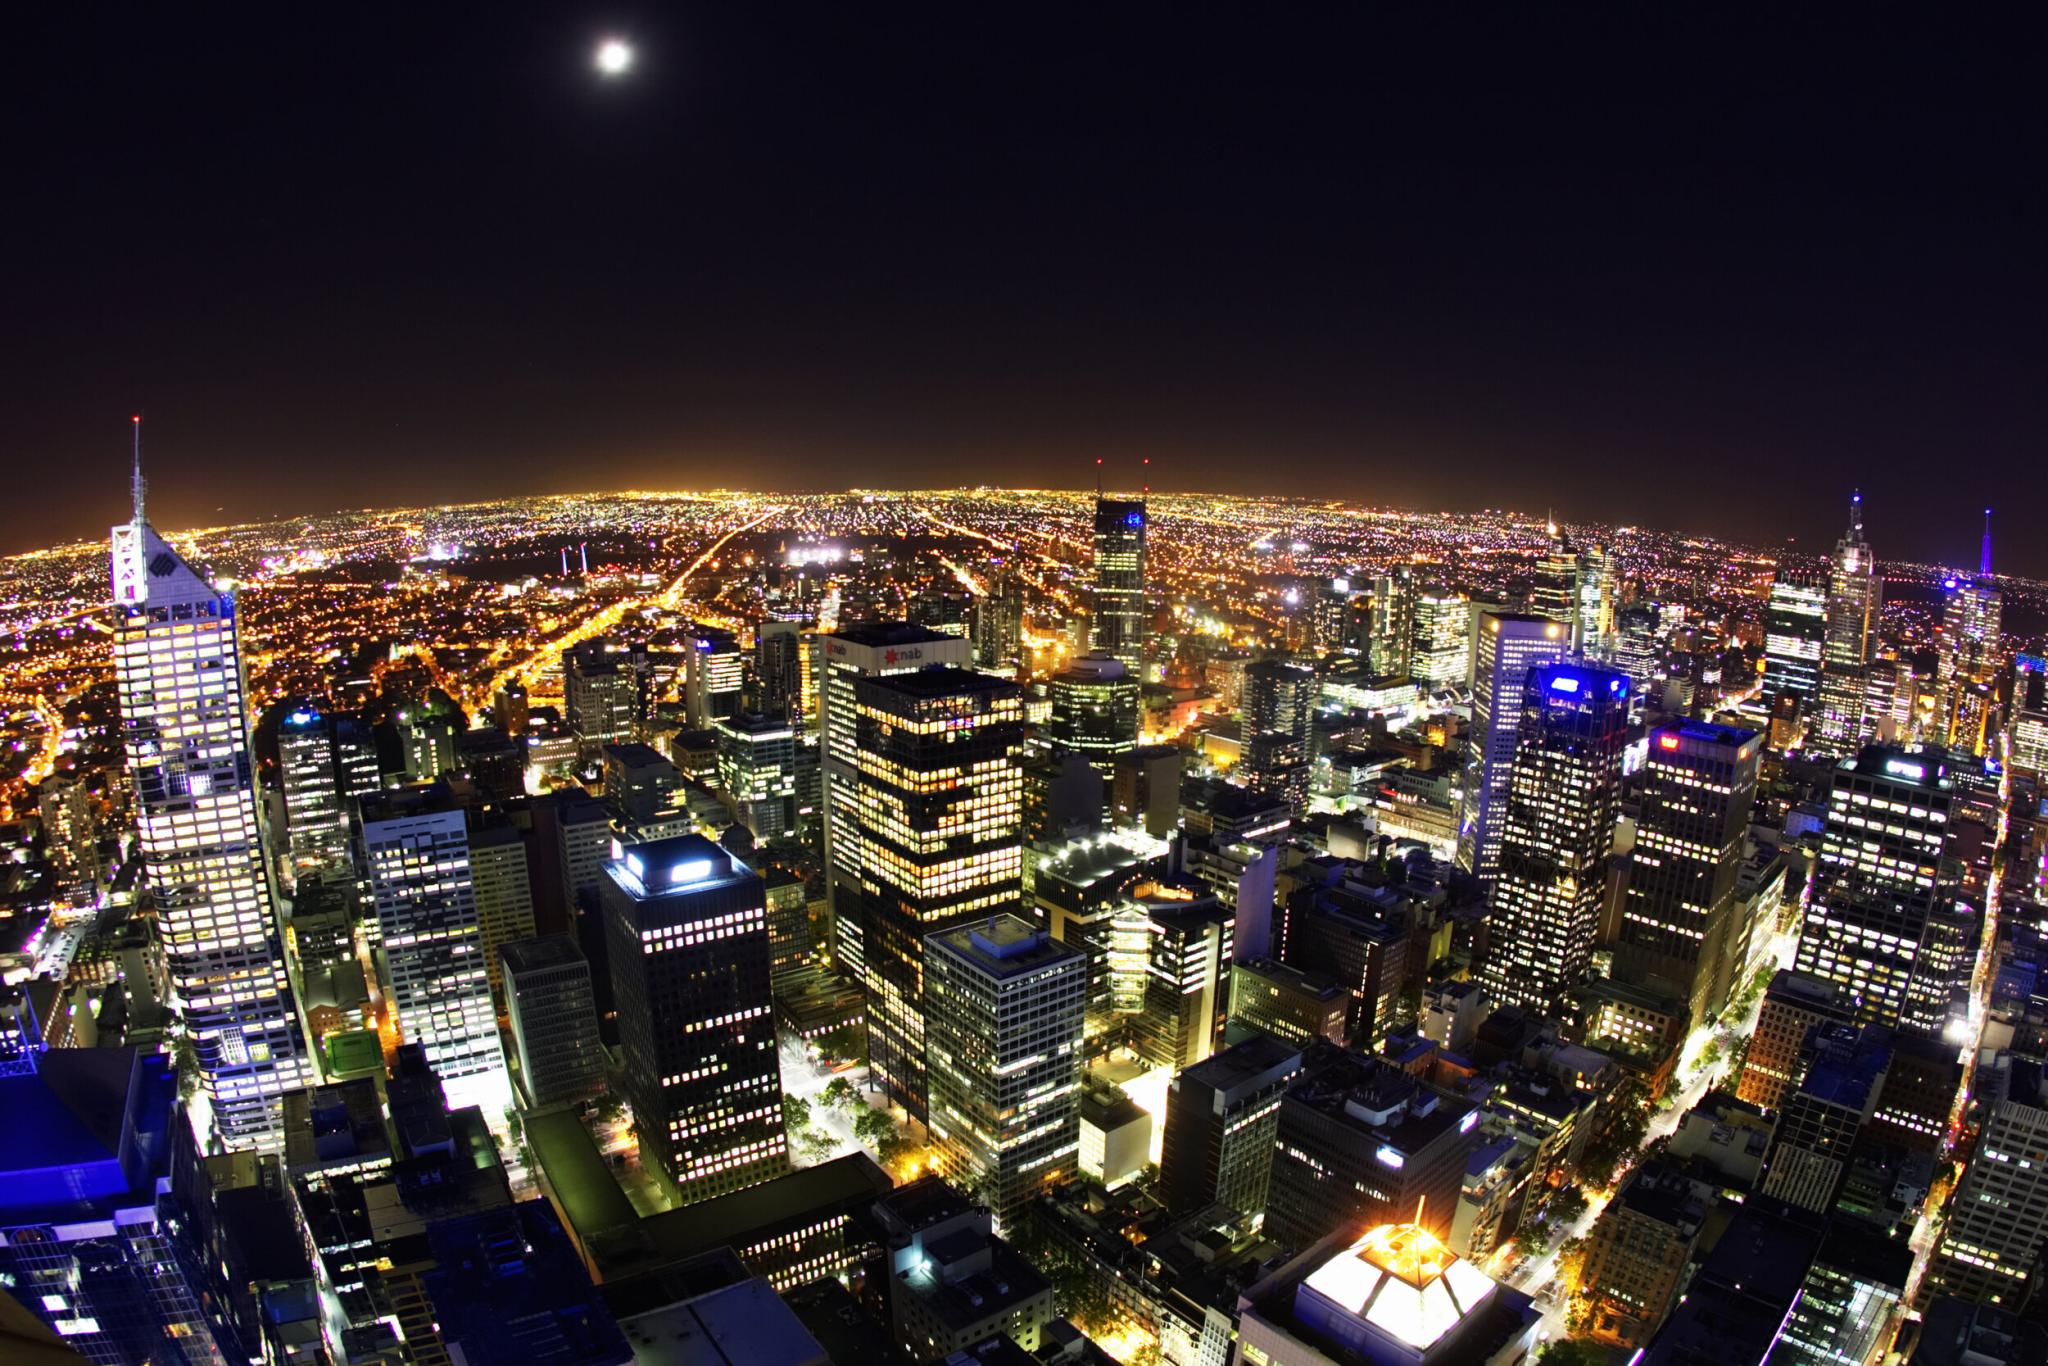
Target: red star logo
(889, 657)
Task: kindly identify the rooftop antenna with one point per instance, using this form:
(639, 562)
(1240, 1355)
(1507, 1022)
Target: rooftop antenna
(138, 486)
(1983, 555)
(1098, 476)
(1148, 476)
(1856, 512)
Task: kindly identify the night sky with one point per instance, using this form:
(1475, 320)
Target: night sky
(1693, 274)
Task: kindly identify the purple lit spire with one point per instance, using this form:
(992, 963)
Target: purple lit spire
(1984, 555)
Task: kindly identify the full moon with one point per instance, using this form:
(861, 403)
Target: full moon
(614, 57)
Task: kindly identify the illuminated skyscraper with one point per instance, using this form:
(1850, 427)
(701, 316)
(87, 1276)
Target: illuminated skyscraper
(184, 724)
(1596, 603)
(1393, 622)
(757, 771)
(686, 930)
(714, 676)
(1698, 785)
(316, 789)
(1554, 589)
(938, 832)
(859, 650)
(778, 669)
(599, 695)
(1509, 645)
(415, 859)
(1279, 711)
(1118, 626)
(998, 629)
(2027, 738)
(1004, 1003)
(1854, 594)
(1095, 702)
(1795, 637)
(1971, 645)
(1886, 920)
(1557, 831)
(1991, 1246)
(1440, 639)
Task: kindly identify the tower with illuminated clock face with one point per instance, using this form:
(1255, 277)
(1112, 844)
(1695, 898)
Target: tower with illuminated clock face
(686, 929)
(185, 727)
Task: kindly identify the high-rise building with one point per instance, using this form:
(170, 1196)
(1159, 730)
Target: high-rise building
(1795, 638)
(185, 727)
(504, 894)
(639, 784)
(1279, 712)
(1222, 1116)
(1117, 625)
(778, 669)
(1991, 1247)
(687, 935)
(1848, 1304)
(1793, 1007)
(1971, 644)
(1854, 595)
(316, 812)
(1288, 1003)
(1393, 623)
(600, 698)
(999, 624)
(1554, 587)
(1343, 619)
(554, 1020)
(1637, 1252)
(1004, 1003)
(757, 770)
(1596, 603)
(1095, 706)
(714, 675)
(2026, 751)
(1186, 949)
(937, 830)
(1440, 638)
(1821, 1118)
(860, 650)
(1678, 924)
(1508, 645)
(1558, 831)
(415, 861)
(1886, 920)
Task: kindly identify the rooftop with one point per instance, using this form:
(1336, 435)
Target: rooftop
(1003, 945)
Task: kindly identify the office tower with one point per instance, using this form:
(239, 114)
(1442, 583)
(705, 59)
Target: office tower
(1971, 647)
(687, 934)
(757, 771)
(1359, 935)
(714, 675)
(2026, 750)
(600, 698)
(96, 1246)
(1638, 1250)
(1343, 618)
(1639, 644)
(789, 927)
(1992, 1243)
(1821, 1117)
(1558, 830)
(504, 895)
(429, 743)
(509, 708)
(779, 669)
(415, 861)
(1288, 1003)
(1886, 920)
(998, 629)
(316, 813)
(1554, 586)
(1095, 706)
(554, 1020)
(184, 725)
(1795, 638)
(1003, 1013)
(639, 784)
(1187, 949)
(1679, 926)
(1393, 623)
(1594, 612)
(950, 1282)
(1440, 639)
(861, 650)
(1360, 1142)
(1222, 1116)
(1508, 645)
(1793, 1007)
(494, 763)
(1117, 609)
(1846, 1306)
(64, 808)
(1279, 709)
(1116, 1137)
(937, 823)
(1145, 788)
(1853, 598)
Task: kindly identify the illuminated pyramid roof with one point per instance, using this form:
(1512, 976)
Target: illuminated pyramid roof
(1397, 1281)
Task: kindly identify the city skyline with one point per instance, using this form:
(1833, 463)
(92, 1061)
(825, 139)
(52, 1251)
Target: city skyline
(1422, 261)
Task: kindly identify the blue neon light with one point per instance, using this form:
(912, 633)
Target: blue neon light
(1562, 684)
(1134, 519)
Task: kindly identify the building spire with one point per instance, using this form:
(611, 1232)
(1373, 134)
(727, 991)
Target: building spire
(1856, 513)
(1984, 554)
(138, 485)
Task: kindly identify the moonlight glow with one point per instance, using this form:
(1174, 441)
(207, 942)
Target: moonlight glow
(614, 57)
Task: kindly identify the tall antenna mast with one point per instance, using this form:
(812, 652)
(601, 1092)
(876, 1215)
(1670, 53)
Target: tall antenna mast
(1984, 555)
(1098, 476)
(1148, 476)
(138, 488)
(1856, 511)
